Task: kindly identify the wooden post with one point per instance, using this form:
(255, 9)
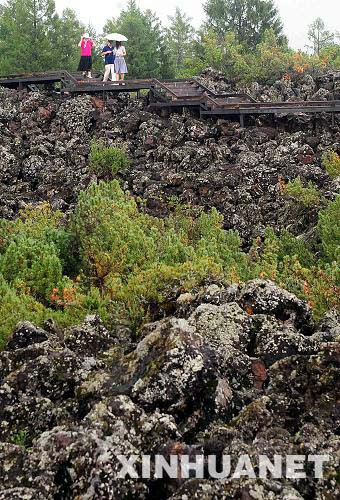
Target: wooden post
(104, 99)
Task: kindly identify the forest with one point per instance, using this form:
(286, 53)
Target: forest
(244, 39)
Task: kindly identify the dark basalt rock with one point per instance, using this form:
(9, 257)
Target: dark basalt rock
(26, 334)
(216, 378)
(44, 147)
(230, 369)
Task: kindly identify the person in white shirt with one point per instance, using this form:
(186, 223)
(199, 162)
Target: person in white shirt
(120, 64)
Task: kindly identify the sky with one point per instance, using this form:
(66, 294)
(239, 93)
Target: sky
(296, 15)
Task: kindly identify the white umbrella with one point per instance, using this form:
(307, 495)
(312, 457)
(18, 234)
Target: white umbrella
(117, 37)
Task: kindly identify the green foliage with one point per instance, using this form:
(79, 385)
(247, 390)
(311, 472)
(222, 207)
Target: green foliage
(34, 263)
(248, 19)
(35, 252)
(14, 307)
(267, 62)
(157, 284)
(179, 39)
(295, 246)
(134, 257)
(113, 236)
(330, 55)
(107, 160)
(308, 196)
(329, 231)
(270, 61)
(34, 38)
(331, 162)
(145, 50)
(227, 56)
(115, 260)
(287, 261)
(20, 438)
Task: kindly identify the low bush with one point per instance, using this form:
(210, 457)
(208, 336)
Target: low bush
(105, 160)
(331, 162)
(287, 261)
(134, 257)
(308, 196)
(115, 260)
(329, 231)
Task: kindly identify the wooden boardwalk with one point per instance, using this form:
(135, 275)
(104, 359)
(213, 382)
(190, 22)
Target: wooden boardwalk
(169, 94)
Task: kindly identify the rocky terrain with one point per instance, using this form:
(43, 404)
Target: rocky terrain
(211, 379)
(311, 86)
(45, 140)
(229, 370)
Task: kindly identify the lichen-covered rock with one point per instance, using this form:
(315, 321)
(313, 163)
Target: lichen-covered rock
(234, 369)
(216, 379)
(26, 334)
(90, 338)
(45, 143)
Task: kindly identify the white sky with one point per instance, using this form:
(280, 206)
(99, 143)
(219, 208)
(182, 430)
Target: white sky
(295, 14)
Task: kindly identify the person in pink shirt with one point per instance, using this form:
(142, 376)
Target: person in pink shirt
(86, 44)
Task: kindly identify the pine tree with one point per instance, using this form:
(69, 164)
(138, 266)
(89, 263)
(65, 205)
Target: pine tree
(65, 39)
(179, 38)
(34, 38)
(248, 19)
(319, 36)
(24, 29)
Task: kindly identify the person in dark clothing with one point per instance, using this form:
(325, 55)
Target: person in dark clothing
(108, 53)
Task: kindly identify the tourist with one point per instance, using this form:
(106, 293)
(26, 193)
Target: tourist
(108, 53)
(86, 44)
(120, 64)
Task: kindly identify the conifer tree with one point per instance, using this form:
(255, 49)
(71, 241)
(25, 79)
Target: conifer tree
(34, 38)
(179, 38)
(248, 19)
(319, 36)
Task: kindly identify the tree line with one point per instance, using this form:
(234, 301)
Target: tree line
(242, 38)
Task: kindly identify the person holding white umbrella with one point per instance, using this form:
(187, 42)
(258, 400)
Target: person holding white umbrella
(120, 53)
(120, 64)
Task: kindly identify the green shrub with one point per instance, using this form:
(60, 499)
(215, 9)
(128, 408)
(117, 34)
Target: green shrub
(34, 263)
(33, 222)
(133, 257)
(113, 235)
(34, 250)
(265, 257)
(107, 160)
(20, 438)
(308, 196)
(14, 307)
(287, 261)
(159, 284)
(331, 162)
(294, 246)
(318, 285)
(115, 260)
(329, 230)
